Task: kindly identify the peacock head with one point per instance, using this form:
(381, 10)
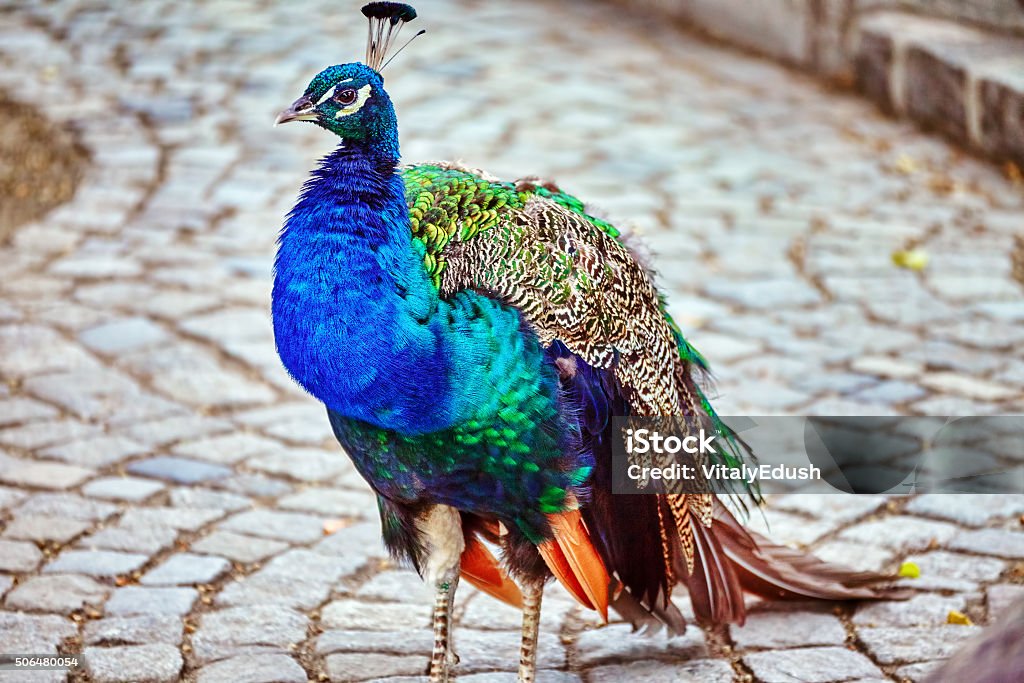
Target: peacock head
(349, 99)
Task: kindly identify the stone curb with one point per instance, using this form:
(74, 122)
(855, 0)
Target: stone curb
(962, 76)
(963, 82)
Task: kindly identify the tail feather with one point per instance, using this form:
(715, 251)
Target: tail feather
(774, 571)
(480, 568)
(647, 620)
(574, 561)
(715, 588)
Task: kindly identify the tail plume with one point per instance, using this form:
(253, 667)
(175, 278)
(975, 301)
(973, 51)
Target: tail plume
(732, 560)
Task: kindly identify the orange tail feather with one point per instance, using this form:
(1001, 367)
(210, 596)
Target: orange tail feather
(481, 569)
(574, 561)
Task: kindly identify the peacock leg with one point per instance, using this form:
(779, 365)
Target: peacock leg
(443, 658)
(532, 594)
(441, 533)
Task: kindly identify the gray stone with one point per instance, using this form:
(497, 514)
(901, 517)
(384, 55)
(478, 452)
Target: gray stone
(38, 434)
(356, 667)
(398, 586)
(303, 464)
(353, 615)
(900, 532)
(185, 569)
(965, 508)
(19, 409)
(61, 593)
(179, 470)
(229, 448)
(920, 610)
(616, 644)
(225, 631)
(399, 642)
(158, 663)
(139, 630)
(268, 668)
(237, 547)
(283, 526)
(129, 489)
(19, 557)
(97, 563)
(67, 505)
(811, 665)
(917, 673)
(142, 539)
(1000, 596)
(997, 542)
(10, 497)
(256, 485)
(42, 528)
(45, 475)
(898, 645)
(133, 600)
(330, 502)
(942, 570)
(166, 430)
(123, 335)
(298, 579)
(208, 499)
(782, 629)
(98, 452)
(176, 518)
(889, 393)
(30, 633)
(694, 671)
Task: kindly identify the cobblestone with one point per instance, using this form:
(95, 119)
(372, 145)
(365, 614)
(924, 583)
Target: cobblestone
(186, 569)
(44, 528)
(788, 629)
(253, 669)
(147, 425)
(59, 593)
(133, 600)
(19, 557)
(140, 630)
(129, 489)
(158, 663)
(895, 645)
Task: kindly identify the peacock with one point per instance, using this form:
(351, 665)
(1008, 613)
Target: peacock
(473, 341)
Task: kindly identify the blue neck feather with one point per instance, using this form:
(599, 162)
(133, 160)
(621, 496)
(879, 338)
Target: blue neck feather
(354, 310)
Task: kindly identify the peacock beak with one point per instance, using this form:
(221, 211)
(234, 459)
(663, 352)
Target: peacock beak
(301, 110)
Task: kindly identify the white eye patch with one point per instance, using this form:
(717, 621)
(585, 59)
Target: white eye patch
(330, 92)
(362, 95)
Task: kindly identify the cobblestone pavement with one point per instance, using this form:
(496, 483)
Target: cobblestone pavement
(164, 487)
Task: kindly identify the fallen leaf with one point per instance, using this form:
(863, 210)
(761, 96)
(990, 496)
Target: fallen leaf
(909, 570)
(332, 525)
(911, 259)
(955, 617)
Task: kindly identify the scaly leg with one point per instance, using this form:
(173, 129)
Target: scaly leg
(532, 594)
(443, 658)
(441, 533)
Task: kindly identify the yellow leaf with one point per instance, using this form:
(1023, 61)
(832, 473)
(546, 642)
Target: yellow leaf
(955, 617)
(906, 165)
(332, 525)
(911, 259)
(909, 570)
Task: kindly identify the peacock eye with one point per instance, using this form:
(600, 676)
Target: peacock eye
(345, 96)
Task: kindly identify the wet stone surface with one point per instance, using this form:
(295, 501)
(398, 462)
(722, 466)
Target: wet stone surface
(164, 487)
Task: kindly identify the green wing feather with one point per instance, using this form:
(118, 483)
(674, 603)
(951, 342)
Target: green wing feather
(569, 273)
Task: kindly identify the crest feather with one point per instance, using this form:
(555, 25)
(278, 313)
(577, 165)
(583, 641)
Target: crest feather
(386, 21)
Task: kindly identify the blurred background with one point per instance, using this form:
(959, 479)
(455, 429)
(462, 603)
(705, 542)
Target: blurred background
(831, 194)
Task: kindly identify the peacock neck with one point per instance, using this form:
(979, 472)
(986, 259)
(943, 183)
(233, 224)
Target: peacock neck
(352, 302)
